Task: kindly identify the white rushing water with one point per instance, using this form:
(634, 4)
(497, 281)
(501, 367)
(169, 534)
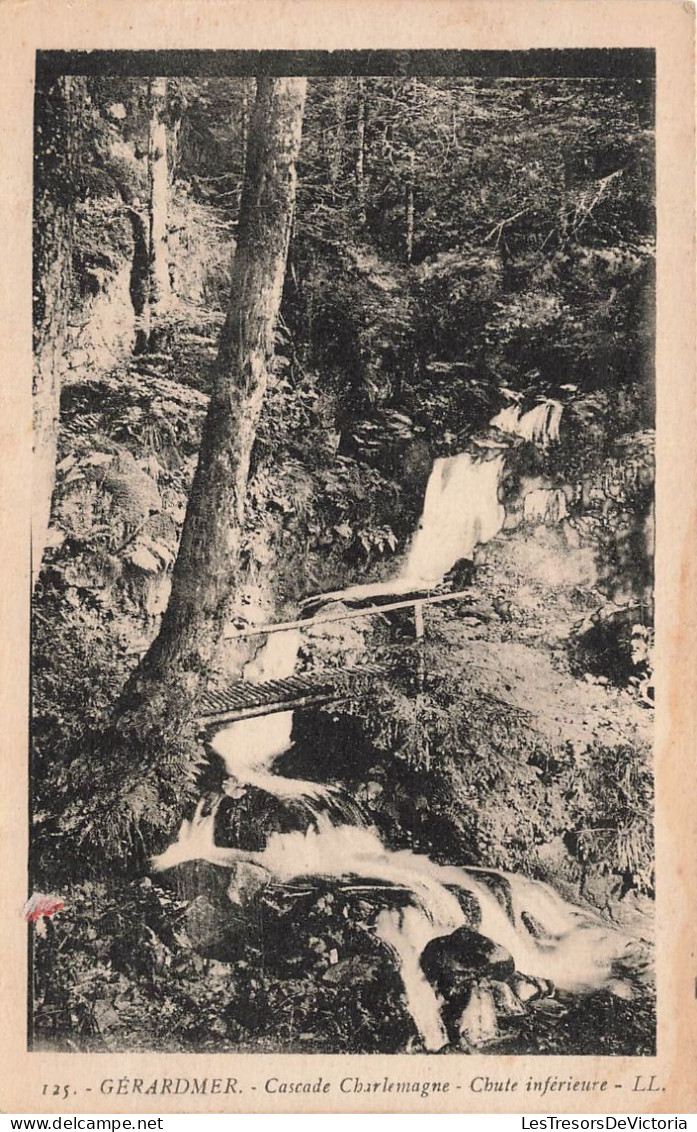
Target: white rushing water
(574, 950)
(461, 512)
(249, 747)
(539, 425)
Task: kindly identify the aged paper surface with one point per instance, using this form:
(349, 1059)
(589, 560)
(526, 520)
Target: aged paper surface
(41, 1077)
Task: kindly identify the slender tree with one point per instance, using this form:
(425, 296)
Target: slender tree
(409, 207)
(410, 169)
(359, 165)
(244, 131)
(58, 109)
(158, 208)
(337, 137)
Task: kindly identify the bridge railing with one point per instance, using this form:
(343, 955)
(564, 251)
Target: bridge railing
(350, 614)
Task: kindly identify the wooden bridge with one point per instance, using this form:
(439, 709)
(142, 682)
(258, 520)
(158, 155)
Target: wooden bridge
(243, 700)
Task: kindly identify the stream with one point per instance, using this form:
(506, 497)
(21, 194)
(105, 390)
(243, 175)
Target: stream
(547, 940)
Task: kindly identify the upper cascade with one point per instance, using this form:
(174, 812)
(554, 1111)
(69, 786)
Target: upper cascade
(539, 425)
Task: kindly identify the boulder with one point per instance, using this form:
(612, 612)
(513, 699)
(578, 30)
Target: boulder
(462, 957)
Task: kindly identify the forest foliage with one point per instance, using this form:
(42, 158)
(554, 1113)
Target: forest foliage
(459, 245)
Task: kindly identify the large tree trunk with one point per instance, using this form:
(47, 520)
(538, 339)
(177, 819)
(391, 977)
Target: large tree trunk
(158, 180)
(160, 695)
(57, 109)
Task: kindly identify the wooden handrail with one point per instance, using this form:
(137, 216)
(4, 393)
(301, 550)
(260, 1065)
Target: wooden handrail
(371, 611)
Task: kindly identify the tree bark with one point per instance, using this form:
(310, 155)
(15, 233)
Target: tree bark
(158, 208)
(139, 286)
(244, 132)
(409, 208)
(337, 142)
(160, 695)
(57, 109)
(359, 167)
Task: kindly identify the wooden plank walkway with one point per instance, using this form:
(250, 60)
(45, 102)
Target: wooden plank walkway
(241, 700)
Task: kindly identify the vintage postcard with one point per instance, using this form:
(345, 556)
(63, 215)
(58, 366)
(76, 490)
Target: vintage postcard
(348, 605)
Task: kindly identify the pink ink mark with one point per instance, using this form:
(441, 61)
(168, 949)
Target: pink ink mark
(39, 905)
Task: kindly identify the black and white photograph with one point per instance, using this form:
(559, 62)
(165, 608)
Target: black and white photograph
(342, 616)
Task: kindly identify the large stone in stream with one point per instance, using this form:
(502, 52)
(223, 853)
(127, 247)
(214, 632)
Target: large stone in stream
(478, 1024)
(459, 576)
(206, 924)
(216, 927)
(463, 957)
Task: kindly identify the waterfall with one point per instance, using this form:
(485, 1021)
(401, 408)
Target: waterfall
(545, 937)
(539, 425)
(461, 511)
(276, 659)
(507, 420)
(406, 932)
(248, 747)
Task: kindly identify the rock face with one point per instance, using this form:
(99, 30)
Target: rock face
(460, 575)
(545, 506)
(103, 327)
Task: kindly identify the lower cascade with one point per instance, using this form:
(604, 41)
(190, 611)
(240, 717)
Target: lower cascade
(528, 940)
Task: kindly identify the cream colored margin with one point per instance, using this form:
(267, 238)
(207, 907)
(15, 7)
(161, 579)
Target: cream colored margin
(305, 24)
